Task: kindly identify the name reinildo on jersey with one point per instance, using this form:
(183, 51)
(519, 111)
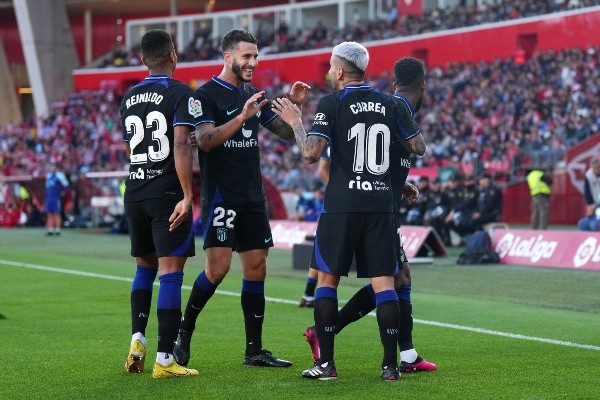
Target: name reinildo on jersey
(149, 97)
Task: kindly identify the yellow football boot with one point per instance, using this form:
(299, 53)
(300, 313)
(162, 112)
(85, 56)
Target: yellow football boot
(136, 357)
(172, 370)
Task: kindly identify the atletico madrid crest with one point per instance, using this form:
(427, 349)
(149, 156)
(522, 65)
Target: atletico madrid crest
(222, 234)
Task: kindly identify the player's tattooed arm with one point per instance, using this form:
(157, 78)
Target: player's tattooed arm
(314, 146)
(281, 128)
(416, 145)
(290, 120)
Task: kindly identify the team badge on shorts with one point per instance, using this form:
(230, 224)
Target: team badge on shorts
(194, 107)
(222, 234)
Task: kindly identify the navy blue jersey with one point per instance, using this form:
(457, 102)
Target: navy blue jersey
(149, 112)
(400, 157)
(360, 124)
(231, 172)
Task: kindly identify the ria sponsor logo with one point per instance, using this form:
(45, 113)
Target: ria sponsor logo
(360, 185)
(137, 175)
(534, 248)
(367, 186)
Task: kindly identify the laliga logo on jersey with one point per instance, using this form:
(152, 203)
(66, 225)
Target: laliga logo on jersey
(137, 175)
(194, 107)
(364, 185)
(588, 250)
(532, 248)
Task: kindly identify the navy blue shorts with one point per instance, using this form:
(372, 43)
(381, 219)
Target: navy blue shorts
(240, 226)
(149, 229)
(369, 237)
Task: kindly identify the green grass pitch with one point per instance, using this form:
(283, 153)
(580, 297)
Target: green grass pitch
(496, 332)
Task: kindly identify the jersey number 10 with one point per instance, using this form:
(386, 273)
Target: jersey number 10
(369, 149)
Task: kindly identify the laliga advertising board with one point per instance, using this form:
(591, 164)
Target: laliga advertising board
(557, 249)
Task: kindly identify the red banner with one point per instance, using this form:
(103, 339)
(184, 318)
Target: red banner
(410, 7)
(420, 241)
(556, 249)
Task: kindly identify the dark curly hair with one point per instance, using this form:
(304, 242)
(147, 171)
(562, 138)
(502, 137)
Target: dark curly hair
(409, 71)
(156, 46)
(233, 37)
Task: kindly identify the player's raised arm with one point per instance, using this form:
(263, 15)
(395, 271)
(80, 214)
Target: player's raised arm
(209, 136)
(310, 147)
(297, 96)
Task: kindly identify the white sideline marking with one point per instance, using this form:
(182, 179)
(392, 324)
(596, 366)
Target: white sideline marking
(285, 301)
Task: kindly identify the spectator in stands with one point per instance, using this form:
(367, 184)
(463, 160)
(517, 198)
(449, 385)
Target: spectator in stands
(489, 203)
(463, 206)
(416, 214)
(591, 186)
(300, 204)
(444, 205)
(56, 184)
(314, 205)
(434, 206)
(386, 25)
(539, 182)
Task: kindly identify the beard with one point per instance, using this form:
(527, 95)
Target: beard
(237, 71)
(419, 103)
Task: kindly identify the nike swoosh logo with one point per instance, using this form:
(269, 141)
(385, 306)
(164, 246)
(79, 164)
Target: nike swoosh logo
(267, 240)
(229, 112)
(258, 316)
(195, 308)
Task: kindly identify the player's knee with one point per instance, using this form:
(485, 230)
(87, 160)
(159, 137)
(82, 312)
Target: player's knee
(216, 272)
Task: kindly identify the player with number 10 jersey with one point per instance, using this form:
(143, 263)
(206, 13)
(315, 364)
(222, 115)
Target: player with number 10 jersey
(360, 180)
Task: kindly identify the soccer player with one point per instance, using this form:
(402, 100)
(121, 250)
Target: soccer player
(232, 194)
(158, 115)
(308, 298)
(409, 88)
(56, 183)
(358, 123)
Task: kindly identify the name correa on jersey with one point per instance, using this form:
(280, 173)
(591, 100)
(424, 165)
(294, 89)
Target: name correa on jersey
(367, 107)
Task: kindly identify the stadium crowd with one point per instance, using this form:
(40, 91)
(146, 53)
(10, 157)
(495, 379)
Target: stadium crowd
(386, 26)
(489, 117)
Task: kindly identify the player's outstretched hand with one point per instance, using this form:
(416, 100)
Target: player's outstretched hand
(410, 192)
(179, 214)
(253, 105)
(298, 92)
(286, 110)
